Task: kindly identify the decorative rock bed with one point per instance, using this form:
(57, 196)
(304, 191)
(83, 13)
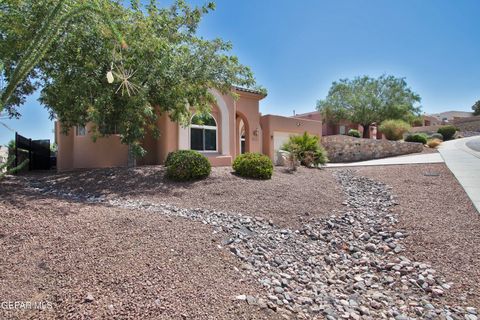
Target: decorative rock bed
(349, 266)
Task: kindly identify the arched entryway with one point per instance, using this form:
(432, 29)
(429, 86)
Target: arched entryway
(242, 134)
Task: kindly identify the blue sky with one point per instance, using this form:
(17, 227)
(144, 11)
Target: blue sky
(297, 48)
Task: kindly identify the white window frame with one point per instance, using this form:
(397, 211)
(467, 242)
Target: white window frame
(77, 133)
(196, 126)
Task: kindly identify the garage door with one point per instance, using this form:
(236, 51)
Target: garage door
(279, 139)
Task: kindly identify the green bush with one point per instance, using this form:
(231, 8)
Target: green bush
(447, 132)
(307, 149)
(354, 133)
(394, 129)
(253, 165)
(187, 165)
(417, 137)
(437, 135)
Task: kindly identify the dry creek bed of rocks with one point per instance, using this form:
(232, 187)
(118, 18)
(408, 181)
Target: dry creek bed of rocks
(348, 266)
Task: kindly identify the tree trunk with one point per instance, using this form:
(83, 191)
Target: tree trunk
(131, 160)
(366, 131)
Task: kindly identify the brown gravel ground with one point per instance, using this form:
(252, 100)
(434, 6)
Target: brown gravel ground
(286, 199)
(145, 265)
(442, 223)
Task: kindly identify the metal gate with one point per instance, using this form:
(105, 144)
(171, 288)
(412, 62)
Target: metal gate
(36, 151)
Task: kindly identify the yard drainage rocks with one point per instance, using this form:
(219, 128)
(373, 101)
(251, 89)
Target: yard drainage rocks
(340, 267)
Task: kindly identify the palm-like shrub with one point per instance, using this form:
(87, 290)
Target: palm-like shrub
(447, 132)
(253, 165)
(307, 149)
(186, 165)
(394, 129)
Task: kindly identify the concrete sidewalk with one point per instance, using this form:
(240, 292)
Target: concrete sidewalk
(407, 159)
(464, 162)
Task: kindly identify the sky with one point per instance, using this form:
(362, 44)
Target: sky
(296, 49)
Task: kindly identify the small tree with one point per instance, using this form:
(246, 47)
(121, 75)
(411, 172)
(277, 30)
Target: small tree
(476, 108)
(365, 100)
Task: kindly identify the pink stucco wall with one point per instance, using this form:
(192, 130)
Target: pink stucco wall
(272, 123)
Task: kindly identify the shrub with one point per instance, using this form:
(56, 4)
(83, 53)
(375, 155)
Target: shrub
(253, 165)
(394, 129)
(447, 132)
(186, 165)
(433, 143)
(307, 149)
(417, 137)
(437, 135)
(354, 133)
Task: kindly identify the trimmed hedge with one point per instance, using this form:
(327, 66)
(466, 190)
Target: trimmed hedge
(417, 137)
(447, 132)
(187, 165)
(354, 133)
(253, 165)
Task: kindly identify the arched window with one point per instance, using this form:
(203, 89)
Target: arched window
(203, 133)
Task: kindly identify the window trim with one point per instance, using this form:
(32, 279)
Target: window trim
(203, 127)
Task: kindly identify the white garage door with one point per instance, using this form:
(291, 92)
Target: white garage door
(279, 139)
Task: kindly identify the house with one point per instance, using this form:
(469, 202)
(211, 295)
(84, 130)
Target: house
(233, 127)
(339, 127)
(444, 117)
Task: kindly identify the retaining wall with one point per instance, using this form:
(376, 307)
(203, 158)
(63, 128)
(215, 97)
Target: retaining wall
(342, 148)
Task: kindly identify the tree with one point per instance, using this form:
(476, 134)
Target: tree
(165, 68)
(476, 108)
(365, 100)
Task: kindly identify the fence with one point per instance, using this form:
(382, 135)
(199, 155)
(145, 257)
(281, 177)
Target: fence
(36, 151)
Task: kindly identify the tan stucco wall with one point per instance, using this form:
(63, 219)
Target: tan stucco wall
(79, 152)
(272, 123)
(247, 108)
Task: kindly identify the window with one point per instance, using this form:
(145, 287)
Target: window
(108, 128)
(81, 131)
(203, 133)
(342, 129)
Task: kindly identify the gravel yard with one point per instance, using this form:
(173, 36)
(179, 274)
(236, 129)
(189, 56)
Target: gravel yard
(286, 199)
(117, 242)
(442, 222)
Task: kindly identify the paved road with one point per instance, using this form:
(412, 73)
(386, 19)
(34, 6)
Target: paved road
(407, 159)
(462, 157)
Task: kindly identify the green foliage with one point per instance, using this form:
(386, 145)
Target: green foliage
(366, 100)
(171, 67)
(307, 149)
(394, 129)
(476, 108)
(187, 165)
(417, 137)
(354, 133)
(447, 132)
(6, 168)
(253, 165)
(437, 135)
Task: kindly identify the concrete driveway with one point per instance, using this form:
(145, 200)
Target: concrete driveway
(462, 157)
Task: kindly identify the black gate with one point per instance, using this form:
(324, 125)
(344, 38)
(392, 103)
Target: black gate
(36, 151)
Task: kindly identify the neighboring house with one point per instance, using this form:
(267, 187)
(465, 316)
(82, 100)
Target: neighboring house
(444, 117)
(233, 127)
(339, 127)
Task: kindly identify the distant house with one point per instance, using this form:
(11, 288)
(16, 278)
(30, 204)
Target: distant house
(444, 117)
(233, 127)
(339, 127)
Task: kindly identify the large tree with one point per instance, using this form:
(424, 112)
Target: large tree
(166, 67)
(365, 100)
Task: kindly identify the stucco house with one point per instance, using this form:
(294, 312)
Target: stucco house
(233, 127)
